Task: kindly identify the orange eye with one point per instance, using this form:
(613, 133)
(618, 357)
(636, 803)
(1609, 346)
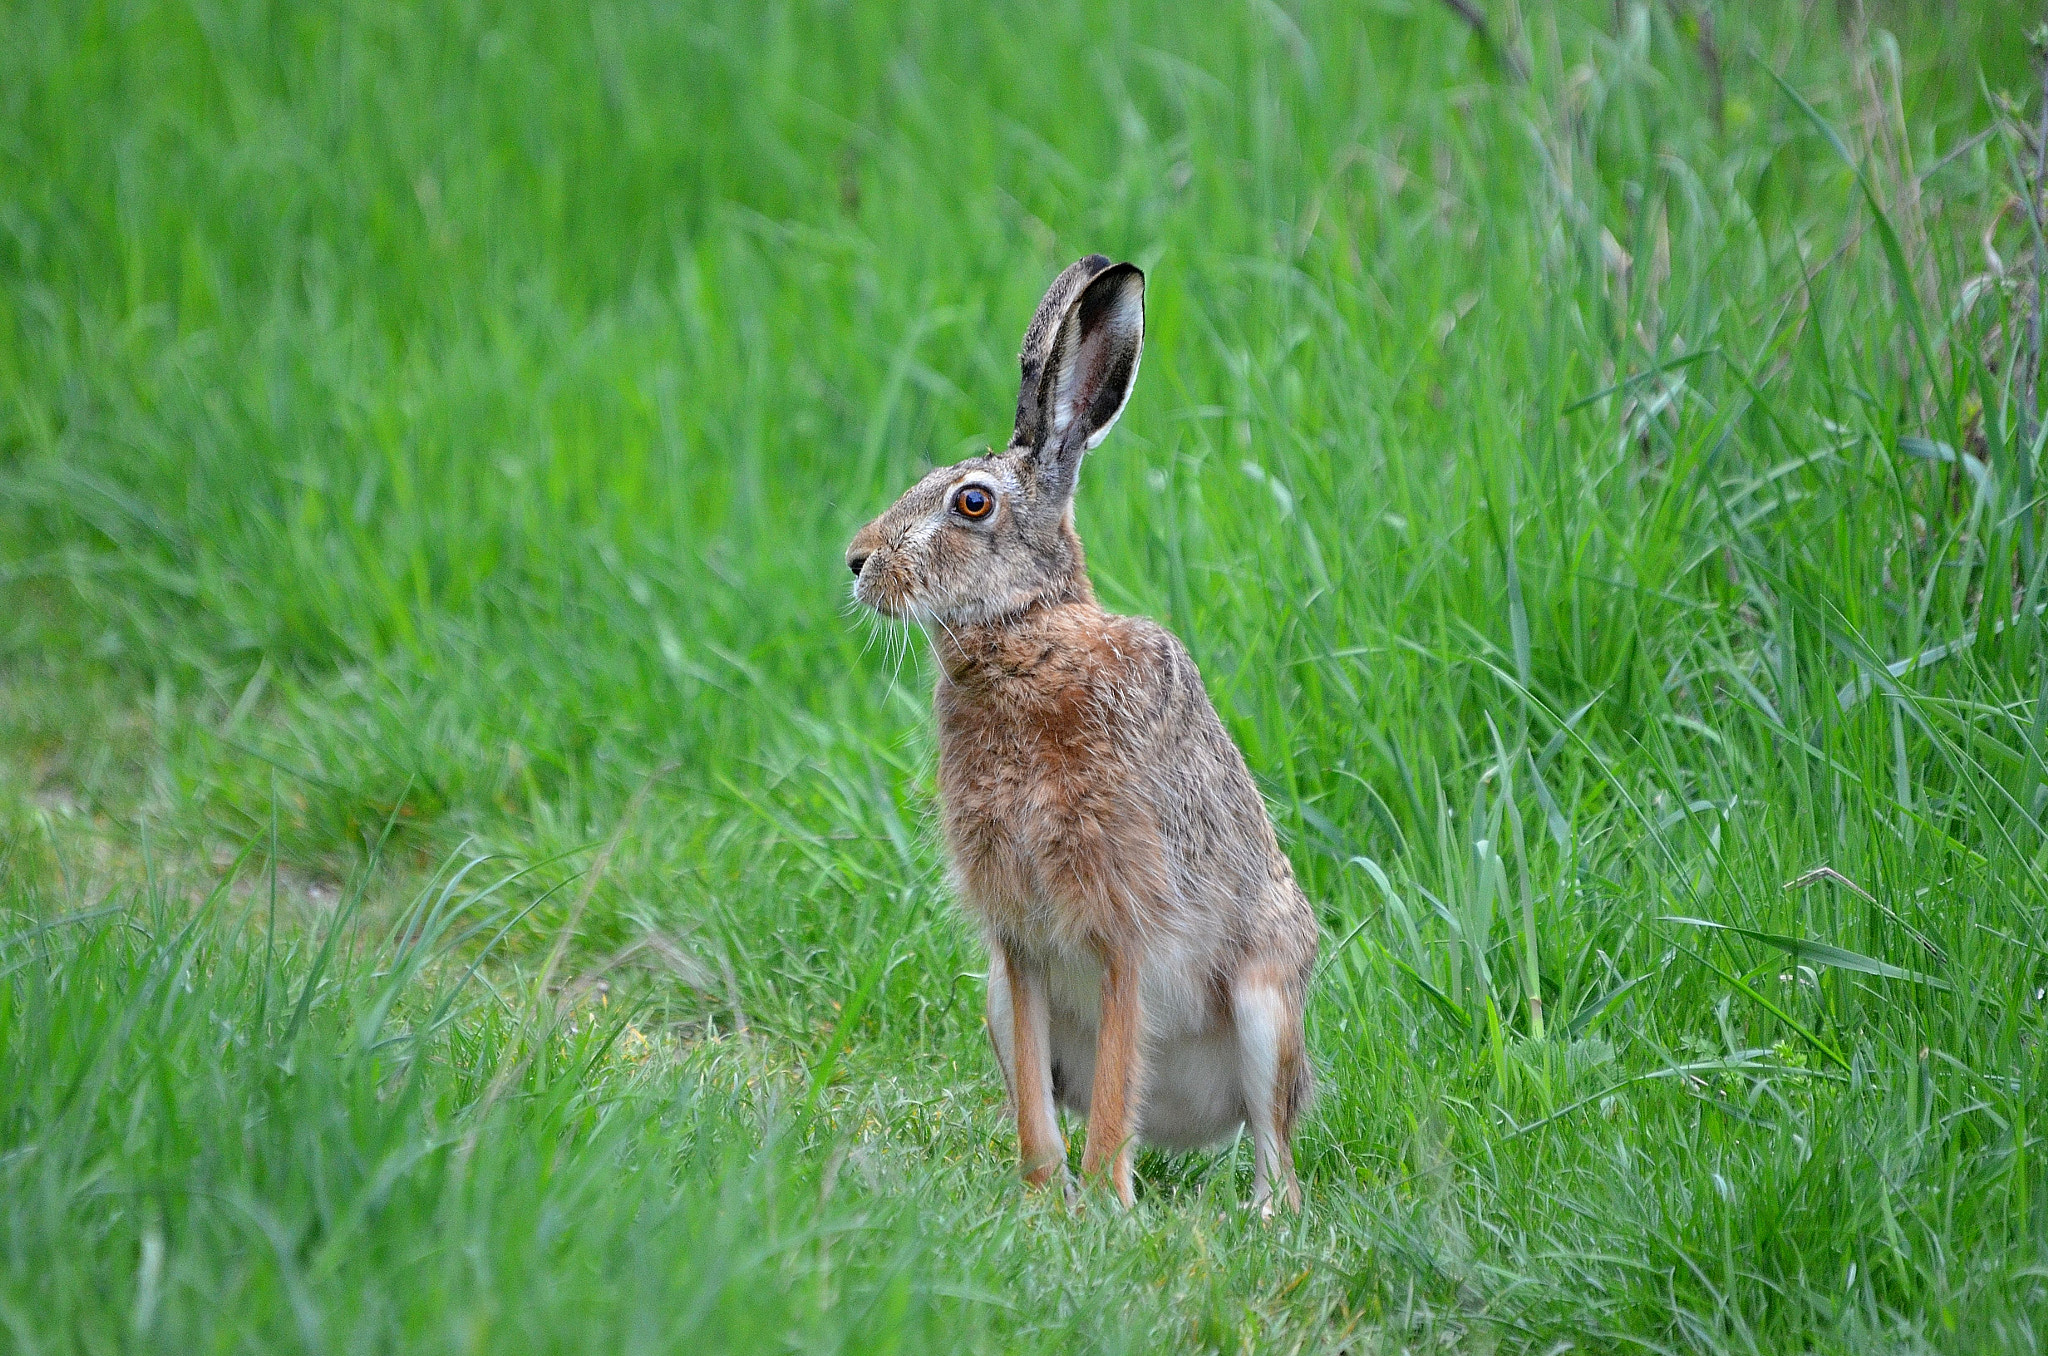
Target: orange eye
(974, 502)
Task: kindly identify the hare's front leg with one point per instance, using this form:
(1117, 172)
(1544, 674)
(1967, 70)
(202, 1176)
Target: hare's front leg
(1019, 1025)
(1119, 1074)
(1271, 1056)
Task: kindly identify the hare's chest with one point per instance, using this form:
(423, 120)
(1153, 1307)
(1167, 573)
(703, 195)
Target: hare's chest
(1033, 810)
(1013, 758)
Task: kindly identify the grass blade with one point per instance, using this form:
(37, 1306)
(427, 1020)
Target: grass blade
(1818, 953)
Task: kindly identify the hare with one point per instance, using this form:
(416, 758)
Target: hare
(1149, 949)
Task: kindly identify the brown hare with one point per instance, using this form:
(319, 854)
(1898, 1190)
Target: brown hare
(1149, 950)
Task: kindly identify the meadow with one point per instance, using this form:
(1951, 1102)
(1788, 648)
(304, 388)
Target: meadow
(469, 879)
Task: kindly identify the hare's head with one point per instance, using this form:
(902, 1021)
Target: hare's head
(994, 535)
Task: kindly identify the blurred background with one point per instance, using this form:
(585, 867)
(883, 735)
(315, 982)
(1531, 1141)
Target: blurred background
(1590, 449)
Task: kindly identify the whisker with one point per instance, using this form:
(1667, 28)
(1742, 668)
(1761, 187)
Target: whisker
(896, 674)
(941, 621)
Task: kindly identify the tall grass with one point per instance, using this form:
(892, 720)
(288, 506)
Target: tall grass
(1603, 504)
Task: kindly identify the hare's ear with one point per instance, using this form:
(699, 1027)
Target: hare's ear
(1087, 373)
(1038, 337)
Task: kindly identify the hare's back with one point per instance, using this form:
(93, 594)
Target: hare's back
(1211, 819)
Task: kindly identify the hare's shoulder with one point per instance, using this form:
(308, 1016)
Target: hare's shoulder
(1076, 688)
(1158, 689)
(1137, 658)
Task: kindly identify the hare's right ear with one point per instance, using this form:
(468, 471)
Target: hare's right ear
(1091, 327)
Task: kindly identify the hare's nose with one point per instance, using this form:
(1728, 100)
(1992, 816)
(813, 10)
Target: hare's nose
(854, 560)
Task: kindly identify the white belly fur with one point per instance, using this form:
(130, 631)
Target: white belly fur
(1193, 1094)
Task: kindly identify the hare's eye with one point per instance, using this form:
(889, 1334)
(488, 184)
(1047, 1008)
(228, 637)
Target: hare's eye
(974, 502)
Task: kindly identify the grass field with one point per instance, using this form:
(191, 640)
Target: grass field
(470, 880)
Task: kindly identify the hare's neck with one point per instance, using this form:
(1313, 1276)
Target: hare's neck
(1018, 646)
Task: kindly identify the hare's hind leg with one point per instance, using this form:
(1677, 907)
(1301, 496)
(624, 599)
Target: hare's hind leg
(1019, 1021)
(1272, 1062)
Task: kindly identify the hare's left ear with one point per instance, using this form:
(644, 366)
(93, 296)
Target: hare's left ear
(1088, 373)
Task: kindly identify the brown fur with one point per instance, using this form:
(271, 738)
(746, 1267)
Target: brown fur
(1102, 825)
(1038, 1135)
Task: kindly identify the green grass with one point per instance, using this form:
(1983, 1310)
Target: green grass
(471, 882)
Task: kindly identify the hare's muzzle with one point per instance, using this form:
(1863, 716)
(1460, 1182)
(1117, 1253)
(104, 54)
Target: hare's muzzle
(865, 546)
